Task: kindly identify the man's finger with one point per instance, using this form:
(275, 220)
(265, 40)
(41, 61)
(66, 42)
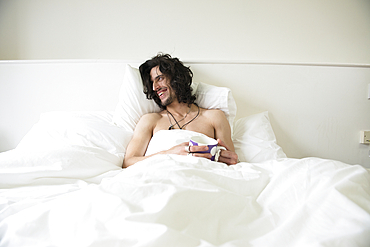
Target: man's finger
(202, 155)
(195, 149)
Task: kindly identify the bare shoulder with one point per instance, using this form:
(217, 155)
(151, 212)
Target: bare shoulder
(216, 117)
(212, 113)
(148, 120)
(151, 116)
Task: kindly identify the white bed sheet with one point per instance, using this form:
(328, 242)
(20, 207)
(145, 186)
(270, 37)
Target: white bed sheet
(85, 199)
(171, 200)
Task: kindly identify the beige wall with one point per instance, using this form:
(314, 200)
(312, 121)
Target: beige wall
(282, 31)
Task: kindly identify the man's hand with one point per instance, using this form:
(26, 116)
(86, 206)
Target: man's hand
(182, 149)
(227, 156)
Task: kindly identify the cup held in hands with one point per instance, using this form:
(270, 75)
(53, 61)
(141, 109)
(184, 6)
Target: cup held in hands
(212, 144)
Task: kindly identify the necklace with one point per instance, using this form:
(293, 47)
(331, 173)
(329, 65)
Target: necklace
(177, 122)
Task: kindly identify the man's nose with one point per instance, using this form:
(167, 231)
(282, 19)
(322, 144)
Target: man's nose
(155, 86)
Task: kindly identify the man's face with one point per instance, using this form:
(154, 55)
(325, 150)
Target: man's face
(162, 87)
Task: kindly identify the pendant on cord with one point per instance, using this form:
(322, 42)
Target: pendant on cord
(177, 122)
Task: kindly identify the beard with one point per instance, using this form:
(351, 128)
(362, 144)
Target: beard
(167, 101)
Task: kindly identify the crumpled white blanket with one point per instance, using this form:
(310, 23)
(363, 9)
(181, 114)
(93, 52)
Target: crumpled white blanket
(57, 164)
(171, 200)
(65, 194)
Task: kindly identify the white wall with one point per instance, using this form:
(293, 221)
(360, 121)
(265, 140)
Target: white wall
(307, 31)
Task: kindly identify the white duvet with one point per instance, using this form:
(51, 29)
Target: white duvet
(75, 194)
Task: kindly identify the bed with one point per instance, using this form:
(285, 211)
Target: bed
(63, 185)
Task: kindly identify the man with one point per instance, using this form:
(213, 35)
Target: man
(168, 82)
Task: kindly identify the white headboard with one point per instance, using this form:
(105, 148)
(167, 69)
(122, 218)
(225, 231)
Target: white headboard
(315, 110)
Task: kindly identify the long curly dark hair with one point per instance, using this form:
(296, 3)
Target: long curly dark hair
(180, 78)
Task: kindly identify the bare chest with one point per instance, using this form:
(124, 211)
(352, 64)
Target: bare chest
(200, 124)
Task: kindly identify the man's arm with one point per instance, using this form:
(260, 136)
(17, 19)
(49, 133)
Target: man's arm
(223, 136)
(137, 147)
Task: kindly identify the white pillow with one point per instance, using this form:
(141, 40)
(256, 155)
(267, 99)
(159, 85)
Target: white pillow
(88, 129)
(254, 139)
(133, 103)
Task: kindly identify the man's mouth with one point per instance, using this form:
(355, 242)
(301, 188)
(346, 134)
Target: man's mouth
(160, 92)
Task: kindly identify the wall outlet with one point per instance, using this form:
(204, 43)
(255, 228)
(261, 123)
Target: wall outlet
(365, 137)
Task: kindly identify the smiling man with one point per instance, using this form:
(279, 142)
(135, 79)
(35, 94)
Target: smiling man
(168, 82)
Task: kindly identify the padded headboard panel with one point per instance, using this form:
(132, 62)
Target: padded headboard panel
(314, 110)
